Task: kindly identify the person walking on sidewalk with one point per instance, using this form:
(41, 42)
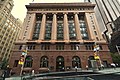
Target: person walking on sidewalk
(113, 65)
(86, 67)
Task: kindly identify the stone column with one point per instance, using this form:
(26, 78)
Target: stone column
(54, 27)
(42, 30)
(77, 27)
(31, 26)
(92, 36)
(66, 29)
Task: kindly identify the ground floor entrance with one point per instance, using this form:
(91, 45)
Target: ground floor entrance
(56, 62)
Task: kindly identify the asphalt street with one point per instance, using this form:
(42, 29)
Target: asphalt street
(104, 74)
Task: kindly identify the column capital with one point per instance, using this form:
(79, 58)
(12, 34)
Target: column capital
(31, 12)
(65, 12)
(76, 12)
(54, 13)
(43, 13)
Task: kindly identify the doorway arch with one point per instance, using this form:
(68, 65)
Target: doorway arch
(60, 63)
(28, 61)
(44, 61)
(76, 62)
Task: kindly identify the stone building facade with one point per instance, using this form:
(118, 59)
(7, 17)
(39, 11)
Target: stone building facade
(59, 37)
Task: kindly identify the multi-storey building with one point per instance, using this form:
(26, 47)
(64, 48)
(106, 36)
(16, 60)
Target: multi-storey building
(9, 29)
(115, 39)
(5, 10)
(107, 12)
(59, 37)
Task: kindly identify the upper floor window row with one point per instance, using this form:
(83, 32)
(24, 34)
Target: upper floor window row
(60, 47)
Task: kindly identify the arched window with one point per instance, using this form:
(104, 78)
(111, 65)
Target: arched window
(28, 61)
(60, 63)
(76, 62)
(44, 61)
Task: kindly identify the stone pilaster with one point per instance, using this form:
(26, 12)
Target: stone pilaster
(91, 34)
(54, 27)
(42, 30)
(31, 26)
(77, 27)
(66, 29)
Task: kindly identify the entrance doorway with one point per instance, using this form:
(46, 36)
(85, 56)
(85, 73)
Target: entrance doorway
(76, 62)
(60, 63)
(90, 60)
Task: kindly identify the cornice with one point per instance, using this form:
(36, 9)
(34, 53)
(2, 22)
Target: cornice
(58, 5)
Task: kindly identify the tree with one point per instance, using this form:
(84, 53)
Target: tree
(115, 58)
(4, 64)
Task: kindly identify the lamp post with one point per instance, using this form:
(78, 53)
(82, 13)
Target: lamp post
(22, 58)
(96, 54)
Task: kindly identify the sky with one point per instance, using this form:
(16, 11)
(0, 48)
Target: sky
(19, 9)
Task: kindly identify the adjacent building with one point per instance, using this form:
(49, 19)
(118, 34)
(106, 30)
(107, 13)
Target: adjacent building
(115, 39)
(9, 30)
(107, 12)
(59, 37)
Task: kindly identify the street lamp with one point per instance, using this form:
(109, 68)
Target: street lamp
(96, 53)
(118, 49)
(22, 58)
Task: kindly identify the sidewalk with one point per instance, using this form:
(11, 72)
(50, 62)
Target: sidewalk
(110, 70)
(13, 78)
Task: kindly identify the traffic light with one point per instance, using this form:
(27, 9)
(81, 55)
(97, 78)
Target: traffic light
(96, 56)
(22, 57)
(96, 48)
(24, 52)
(21, 61)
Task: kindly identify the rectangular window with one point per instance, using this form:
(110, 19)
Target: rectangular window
(83, 27)
(25, 33)
(31, 47)
(97, 38)
(72, 33)
(100, 47)
(75, 47)
(59, 47)
(16, 63)
(36, 31)
(95, 32)
(48, 30)
(37, 26)
(45, 47)
(89, 47)
(60, 31)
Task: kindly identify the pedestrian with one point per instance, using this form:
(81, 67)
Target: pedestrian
(33, 72)
(102, 66)
(76, 68)
(113, 65)
(4, 74)
(86, 67)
